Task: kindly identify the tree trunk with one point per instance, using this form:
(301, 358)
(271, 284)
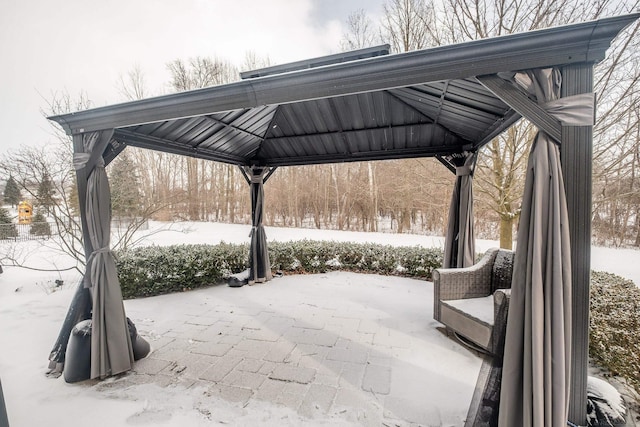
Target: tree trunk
(506, 232)
(373, 198)
(334, 178)
(192, 189)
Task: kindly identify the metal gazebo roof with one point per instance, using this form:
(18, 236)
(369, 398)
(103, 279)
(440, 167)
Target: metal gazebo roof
(363, 105)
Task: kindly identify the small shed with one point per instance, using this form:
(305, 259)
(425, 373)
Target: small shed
(25, 212)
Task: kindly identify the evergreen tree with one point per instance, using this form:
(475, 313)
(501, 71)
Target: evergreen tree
(125, 187)
(74, 202)
(7, 227)
(40, 226)
(46, 191)
(12, 192)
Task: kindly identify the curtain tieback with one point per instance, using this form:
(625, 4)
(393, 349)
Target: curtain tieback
(576, 110)
(80, 161)
(86, 280)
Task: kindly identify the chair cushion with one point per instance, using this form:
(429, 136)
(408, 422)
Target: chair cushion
(471, 318)
(477, 308)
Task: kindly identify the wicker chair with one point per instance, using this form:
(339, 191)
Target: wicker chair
(473, 302)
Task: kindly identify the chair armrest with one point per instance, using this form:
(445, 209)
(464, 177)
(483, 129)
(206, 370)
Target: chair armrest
(501, 299)
(468, 282)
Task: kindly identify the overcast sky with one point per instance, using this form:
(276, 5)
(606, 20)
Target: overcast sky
(51, 47)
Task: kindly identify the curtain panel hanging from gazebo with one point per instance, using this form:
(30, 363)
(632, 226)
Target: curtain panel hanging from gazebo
(536, 372)
(259, 265)
(459, 244)
(111, 348)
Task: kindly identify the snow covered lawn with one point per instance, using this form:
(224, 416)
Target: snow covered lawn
(444, 373)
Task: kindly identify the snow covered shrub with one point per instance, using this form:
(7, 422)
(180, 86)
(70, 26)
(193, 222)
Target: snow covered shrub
(313, 255)
(7, 227)
(156, 270)
(614, 325)
(419, 262)
(307, 256)
(40, 226)
(605, 406)
(381, 259)
(283, 257)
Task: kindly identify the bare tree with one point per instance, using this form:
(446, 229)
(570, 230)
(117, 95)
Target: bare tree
(617, 141)
(253, 62)
(200, 72)
(153, 169)
(197, 73)
(132, 85)
(361, 32)
(501, 161)
(28, 165)
(500, 177)
(407, 24)
(31, 167)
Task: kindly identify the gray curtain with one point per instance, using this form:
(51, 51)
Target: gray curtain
(536, 370)
(111, 348)
(459, 244)
(79, 309)
(259, 265)
(4, 419)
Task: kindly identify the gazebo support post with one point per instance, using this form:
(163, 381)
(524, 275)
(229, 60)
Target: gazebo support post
(577, 156)
(576, 151)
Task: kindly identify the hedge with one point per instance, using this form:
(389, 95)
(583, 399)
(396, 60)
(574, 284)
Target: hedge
(614, 326)
(156, 270)
(308, 256)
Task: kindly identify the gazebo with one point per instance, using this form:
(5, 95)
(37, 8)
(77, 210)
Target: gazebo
(444, 102)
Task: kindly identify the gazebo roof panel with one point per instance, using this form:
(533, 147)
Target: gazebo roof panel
(193, 134)
(255, 120)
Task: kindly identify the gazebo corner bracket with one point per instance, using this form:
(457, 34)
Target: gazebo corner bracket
(521, 103)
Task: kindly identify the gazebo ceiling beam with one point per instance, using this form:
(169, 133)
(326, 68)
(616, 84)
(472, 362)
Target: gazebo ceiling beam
(232, 127)
(401, 153)
(443, 96)
(507, 121)
(113, 149)
(446, 163)
(168, 146)
(364, 130)
(520, 102)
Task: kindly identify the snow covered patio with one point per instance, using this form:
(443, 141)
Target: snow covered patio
(336, 348)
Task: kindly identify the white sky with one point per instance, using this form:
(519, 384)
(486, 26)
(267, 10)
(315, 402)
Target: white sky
(51, 47)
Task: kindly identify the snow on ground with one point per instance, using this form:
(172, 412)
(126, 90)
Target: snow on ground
(31, 315)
